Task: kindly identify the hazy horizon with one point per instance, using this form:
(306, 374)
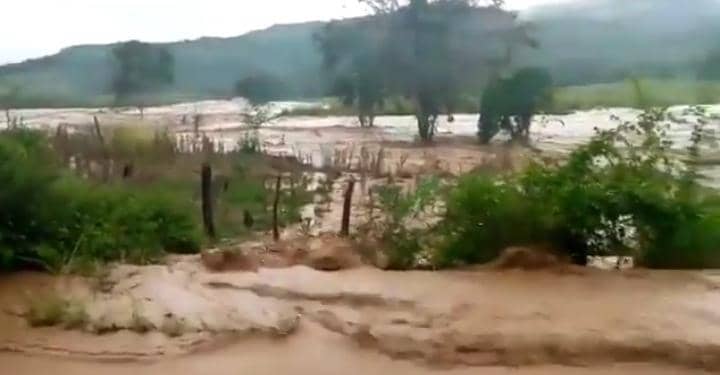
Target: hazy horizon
(78, 22)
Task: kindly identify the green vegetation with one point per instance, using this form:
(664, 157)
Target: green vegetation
(141, 68)
(655, 92)
(427, 51)
(617, 195)
(354, 60)
(131, 197)
(509, 104)
(627, 39)
(710, 68)
(204, 68)
(403, 211)
(53, 219)
(260, 88)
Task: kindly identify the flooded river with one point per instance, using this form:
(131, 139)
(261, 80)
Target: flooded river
(311, 135)
(365, 321)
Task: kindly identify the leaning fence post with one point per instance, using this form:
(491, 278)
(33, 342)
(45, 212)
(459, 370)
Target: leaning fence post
(276, 231)
(103, 149)
(206, 193)
(347, 206)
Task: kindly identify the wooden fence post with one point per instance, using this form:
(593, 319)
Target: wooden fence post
(276, 231)
(347, 206)
(103, 150)
(207, 204)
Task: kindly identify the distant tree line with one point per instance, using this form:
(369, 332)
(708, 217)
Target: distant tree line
(710, 67)
(432, 52)
(140, 69)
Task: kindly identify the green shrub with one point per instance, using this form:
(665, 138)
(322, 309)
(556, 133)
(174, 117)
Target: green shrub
(403, 227)
(618, 195)
(693, 244)
(485, 215)
(52, 219)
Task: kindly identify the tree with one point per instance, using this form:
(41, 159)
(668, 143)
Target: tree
(140, 69)
(431, 50)
(710, 68)
(363, 90)
(351, 53)
(509, 104)
(260, 88)
(8, 100)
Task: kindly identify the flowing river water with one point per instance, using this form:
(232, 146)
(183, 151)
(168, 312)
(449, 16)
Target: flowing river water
(364, 321)
(554, 134)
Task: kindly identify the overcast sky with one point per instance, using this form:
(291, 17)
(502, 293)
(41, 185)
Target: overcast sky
(33, 28)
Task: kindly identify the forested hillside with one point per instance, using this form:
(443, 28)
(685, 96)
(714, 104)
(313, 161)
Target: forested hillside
(587, 42)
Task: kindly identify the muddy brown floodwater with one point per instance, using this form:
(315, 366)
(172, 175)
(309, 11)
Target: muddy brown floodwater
(457, 148)
(365, 321)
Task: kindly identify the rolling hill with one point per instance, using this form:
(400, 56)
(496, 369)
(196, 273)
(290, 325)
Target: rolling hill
(584, 42)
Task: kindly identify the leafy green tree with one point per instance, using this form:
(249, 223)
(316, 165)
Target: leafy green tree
(140, 69)
(351, 53)
(509, 104)
(710, 68)
(260, 88)
(8, 100)
(432, 50)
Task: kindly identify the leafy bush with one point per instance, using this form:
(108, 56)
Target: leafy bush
(484, 216)
(622, 193)
(404, 223)
(51, 219)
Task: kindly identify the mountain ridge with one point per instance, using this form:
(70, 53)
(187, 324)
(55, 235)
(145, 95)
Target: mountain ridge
(651, 38)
